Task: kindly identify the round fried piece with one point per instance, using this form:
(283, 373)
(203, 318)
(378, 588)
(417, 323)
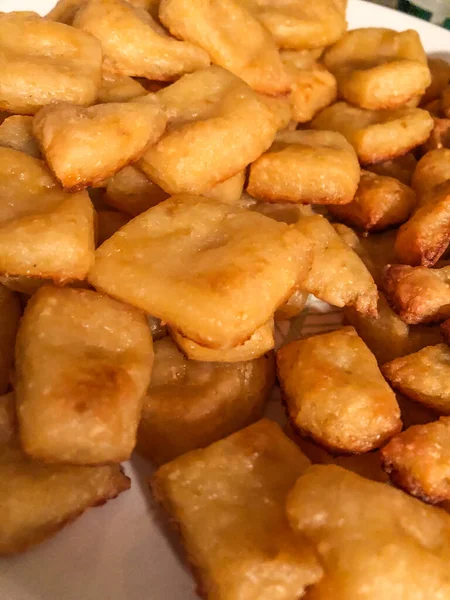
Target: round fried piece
(191, 404)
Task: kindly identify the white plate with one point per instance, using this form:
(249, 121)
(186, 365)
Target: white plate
(118, 551)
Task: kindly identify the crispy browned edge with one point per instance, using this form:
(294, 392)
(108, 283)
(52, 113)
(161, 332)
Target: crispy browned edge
(403, 479)
(123, 484)
(406, 310)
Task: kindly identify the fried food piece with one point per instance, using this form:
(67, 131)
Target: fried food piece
(215, 27)
(431, 170)
(402, 168)
(38, 500)
(224, 127)
(83, 365)
(418, 294)
(335, 392)
(424, 238)
(237, 268)
(257, 345)
(119, 88)
(313, 87)
(9, 322)
(301, 25)
(140, 47)
(418, 460)
(337, 276)
(380, 202)
(42, 62)
(16, 132)
(292, 170)
(378, 68)
(228, 191)
(423, 377)
(114, 134)
(293, 306)
(373, 540)
(377, 136)
(108, 222)
(389, 337)
(375, 250)
(236, 490)
(191, 404)
(281, 108)
(44, 231)
(440, 136)
(440, 78)
(132, 192)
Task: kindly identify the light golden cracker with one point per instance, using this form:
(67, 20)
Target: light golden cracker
(38, 500)
(83, 364)
(119, 88)
(16, 132)
(10, 313)
(376, 250)
(380, 202)
(292, 170)
(43, 62)
(132, 192)
(335, 392)
(424, 238)
(108, 222)
(140, 47)
(261, 342)
(44, 231)
(400, 168)
(293, 306)
(431, 170)
(313, 87)
(423, 377)
(237, 267)
(84, 146)
(302, 25)
(440, 78)
(191, 404)
(337, 276)
(378, 68)
(217, 126)
(418, 294)
(418, 460)
(389, 337)
(377, 136)
(236, 490)
(215, 26)
(439, 137)
(373, 540)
